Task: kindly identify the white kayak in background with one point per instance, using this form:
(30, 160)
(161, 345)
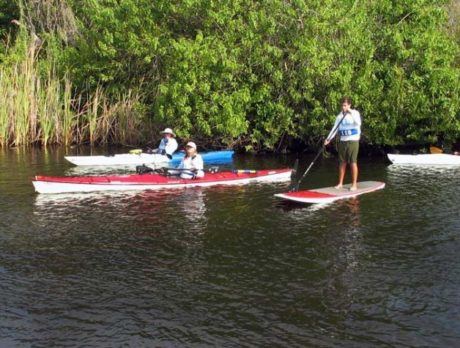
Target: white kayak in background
(330, 194)
(121, 159)
(425, 159)
(63, 184)
(133, 159)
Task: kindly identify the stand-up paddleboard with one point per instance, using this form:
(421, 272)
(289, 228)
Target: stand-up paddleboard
(331, 194)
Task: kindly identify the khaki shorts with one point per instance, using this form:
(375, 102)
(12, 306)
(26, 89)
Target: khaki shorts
(348, 151)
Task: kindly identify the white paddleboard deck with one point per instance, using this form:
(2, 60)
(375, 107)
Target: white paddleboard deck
(331, 194)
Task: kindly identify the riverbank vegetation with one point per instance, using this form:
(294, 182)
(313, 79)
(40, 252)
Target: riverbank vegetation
(248, 74)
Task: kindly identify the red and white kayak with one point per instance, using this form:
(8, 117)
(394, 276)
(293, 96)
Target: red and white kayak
(331, 194)
(61, 184)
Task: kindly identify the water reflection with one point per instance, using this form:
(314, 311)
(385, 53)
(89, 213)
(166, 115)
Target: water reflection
(194, 207)
(166, 227)
(344, 215)
(230, 265)
(350, 244)
(423, 169)
(189, 203)
(186, 203)
(351, 208)
(301, 210)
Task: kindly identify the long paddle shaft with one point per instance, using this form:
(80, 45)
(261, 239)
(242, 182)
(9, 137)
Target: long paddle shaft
(296, 186)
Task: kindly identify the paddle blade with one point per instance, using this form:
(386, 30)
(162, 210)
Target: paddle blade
(294, 182)
(435, 149)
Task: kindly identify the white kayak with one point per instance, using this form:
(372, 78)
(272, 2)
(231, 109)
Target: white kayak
(331, 194)
(121, 159)
(425, 159)
(130, 159)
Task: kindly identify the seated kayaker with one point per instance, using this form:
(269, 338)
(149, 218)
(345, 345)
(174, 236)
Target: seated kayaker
(168, 145)
(191, 166)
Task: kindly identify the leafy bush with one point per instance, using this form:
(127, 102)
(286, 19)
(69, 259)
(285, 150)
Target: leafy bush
(257, 73)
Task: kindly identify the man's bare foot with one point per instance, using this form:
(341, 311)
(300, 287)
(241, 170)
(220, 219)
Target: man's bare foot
(338, 187)
(353, 188)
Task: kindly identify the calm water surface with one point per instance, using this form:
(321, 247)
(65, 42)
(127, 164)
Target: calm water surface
(229, 267)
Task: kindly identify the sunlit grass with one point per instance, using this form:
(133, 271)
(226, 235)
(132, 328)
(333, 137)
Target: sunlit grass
(68, 117)
(42, 108)
(5, 106)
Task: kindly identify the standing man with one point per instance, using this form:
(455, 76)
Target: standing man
(348, 125)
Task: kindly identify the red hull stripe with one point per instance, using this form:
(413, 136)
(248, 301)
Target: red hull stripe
(308, 194)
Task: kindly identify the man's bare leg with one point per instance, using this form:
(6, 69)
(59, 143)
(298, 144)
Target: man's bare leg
(354, 176)
(342, 168)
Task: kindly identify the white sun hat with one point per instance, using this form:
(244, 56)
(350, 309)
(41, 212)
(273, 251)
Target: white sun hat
(191, 144)
(168, 131)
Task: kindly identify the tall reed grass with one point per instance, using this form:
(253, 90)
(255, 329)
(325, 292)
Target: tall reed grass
(43, 108)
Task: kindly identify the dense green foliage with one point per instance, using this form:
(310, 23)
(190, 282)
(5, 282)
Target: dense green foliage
(258, 73)
(8, 11)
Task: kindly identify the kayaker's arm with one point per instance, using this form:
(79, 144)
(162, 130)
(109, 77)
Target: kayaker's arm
(198, 165)
(170, 147)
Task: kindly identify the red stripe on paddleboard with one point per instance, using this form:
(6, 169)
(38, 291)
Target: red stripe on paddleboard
(308, 194)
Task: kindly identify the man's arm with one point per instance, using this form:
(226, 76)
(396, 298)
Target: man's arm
(356, 117)
(333, 132)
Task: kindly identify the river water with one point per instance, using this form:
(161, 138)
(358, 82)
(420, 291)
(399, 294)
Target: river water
(230, 267)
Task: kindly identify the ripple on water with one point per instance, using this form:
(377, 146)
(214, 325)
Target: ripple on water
(232, 266)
